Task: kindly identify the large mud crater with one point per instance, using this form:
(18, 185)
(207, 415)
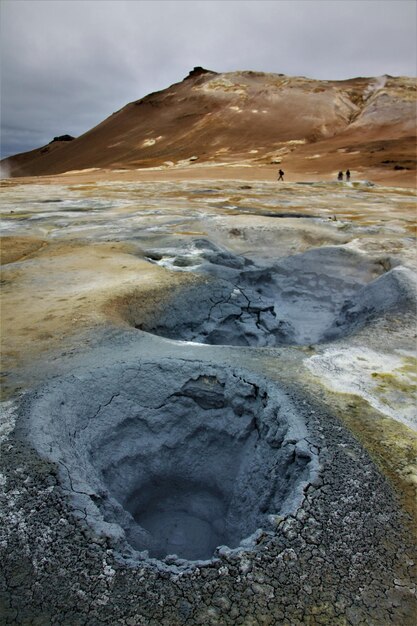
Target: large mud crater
(321, 295)
(176, 458)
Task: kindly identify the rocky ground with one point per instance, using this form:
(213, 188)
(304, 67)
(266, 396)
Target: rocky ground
(208, 411)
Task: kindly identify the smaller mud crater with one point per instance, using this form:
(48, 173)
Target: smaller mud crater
(318, 296)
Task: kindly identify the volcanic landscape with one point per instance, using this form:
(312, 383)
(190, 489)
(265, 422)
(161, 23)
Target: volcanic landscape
(209, 376)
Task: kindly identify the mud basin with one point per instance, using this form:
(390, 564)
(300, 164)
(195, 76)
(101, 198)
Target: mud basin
(174, 458)
(318, 296)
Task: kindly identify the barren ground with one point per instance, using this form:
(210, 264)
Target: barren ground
(93, 265)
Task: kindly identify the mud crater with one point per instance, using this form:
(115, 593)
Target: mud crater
(320, 295)
(174, 461)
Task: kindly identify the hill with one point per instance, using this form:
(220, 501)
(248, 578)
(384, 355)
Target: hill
(250, 118)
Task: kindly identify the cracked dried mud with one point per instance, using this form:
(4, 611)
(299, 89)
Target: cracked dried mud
(208, 412)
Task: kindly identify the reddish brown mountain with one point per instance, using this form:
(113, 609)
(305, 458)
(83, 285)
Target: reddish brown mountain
(248, 117)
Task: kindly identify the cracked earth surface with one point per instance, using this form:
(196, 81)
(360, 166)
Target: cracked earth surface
(152, 358)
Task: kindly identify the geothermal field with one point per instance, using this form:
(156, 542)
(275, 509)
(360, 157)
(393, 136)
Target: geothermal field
(208, 411)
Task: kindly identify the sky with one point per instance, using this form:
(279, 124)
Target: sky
(68, 64)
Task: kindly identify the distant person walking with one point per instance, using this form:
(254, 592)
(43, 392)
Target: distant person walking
(280, 175)
(348, 175)
(340, 176)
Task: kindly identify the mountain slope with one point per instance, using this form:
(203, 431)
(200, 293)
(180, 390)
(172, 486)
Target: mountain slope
(247, 117)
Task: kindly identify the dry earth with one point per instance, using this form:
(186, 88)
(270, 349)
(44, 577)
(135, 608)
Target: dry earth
(92, 264)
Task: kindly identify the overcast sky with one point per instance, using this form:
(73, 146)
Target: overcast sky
(68, 64)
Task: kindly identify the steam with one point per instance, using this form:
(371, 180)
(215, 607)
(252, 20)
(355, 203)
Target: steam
(376, 84)
(5, 171)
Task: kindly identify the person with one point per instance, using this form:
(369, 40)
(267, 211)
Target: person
(340, 176)
(281, 175)
(348, 175)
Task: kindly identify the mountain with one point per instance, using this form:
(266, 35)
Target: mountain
(248, 118)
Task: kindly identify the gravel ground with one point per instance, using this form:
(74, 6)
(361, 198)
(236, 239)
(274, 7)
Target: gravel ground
(344, 556)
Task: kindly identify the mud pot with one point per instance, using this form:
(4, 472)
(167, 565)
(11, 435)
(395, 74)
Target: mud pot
(183, 458)
(321, 295)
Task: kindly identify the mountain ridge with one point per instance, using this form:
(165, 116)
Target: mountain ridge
(247, 117)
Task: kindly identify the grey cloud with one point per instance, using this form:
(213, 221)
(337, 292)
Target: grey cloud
(66, 65)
